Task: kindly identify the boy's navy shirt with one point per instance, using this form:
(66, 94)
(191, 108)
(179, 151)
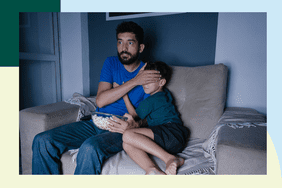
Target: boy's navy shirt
(113, 71)
(158, 109)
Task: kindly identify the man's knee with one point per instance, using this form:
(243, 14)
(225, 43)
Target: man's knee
(40, 139)
(90, 148)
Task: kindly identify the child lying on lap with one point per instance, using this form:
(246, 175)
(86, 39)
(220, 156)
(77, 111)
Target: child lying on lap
(165, 134)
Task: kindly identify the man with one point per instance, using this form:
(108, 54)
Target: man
(119, 76)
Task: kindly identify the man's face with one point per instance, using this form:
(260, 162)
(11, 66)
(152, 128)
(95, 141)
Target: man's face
(128, 48)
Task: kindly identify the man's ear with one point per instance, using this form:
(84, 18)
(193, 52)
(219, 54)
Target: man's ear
(141, 48)
(162, 82)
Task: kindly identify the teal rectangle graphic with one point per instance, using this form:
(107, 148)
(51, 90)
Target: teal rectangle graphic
(9, 47)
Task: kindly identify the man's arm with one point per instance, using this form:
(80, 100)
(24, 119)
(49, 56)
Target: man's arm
(108, 94)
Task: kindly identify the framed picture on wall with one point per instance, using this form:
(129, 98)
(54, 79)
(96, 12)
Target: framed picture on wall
(129, 15)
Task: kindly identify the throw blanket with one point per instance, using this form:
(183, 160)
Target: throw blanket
(87, 105)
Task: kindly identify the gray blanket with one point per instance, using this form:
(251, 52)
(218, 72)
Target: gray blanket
(87, 105)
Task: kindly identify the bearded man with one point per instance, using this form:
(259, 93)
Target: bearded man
(120, 75)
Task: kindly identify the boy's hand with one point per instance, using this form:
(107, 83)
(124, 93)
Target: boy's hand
(129, 117)
(131, 122)
(146, 76)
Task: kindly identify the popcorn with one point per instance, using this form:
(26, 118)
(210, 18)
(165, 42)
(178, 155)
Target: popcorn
(101, 122)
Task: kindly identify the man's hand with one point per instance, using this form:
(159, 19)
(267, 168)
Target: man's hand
(119, 126)
(146, 76)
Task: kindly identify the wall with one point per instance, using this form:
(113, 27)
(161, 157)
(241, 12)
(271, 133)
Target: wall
(186, 39)
(74, 54)
(241, 45)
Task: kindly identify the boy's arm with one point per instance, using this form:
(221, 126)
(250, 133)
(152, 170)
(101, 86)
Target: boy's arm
(130, 108)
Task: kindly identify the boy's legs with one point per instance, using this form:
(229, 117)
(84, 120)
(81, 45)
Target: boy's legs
(143, 139)
(141, 158)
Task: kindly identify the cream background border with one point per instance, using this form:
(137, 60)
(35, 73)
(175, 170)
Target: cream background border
(9, 96)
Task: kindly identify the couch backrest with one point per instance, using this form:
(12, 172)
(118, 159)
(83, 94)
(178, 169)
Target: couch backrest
(200, 95)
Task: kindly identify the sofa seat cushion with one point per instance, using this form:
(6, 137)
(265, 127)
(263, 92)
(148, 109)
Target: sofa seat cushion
(121, 164)
(68, 164)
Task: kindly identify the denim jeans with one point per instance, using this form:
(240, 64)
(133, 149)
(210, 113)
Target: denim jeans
(95, 146)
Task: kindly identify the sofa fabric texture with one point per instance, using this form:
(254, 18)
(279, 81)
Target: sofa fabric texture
(200, 96)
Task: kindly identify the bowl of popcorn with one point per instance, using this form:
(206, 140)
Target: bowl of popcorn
(100, 119)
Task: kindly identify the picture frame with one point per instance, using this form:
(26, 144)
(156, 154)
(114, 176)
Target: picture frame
(130, 15)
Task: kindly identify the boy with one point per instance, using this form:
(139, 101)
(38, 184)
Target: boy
(165, 134)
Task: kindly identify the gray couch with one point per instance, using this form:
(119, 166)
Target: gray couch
(222, 141)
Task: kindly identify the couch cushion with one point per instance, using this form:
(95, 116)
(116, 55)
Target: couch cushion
(200, 95)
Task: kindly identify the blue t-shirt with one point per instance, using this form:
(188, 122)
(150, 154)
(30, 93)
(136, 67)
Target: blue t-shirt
(158, 109)
(114, 71)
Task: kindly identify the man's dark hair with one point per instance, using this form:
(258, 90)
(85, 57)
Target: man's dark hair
(131, 27)
(164, 69)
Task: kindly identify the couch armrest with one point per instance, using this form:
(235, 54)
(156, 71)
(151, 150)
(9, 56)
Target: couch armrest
(38, 119)
(241, 143)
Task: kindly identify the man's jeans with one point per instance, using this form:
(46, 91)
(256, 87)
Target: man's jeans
(95, 146)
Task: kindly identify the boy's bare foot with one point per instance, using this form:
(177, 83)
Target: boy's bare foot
(154, 171)
(173, 164)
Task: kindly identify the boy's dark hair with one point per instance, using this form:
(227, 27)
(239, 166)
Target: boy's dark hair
(164, 69)
(131, 27)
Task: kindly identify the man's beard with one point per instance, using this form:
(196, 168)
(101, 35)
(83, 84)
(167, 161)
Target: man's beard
(128, 61)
